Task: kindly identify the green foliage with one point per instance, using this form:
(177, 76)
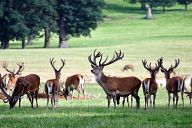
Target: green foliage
(184, 2)
(163, 3)
(81, 16)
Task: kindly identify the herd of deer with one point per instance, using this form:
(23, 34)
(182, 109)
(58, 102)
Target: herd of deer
(114, 87)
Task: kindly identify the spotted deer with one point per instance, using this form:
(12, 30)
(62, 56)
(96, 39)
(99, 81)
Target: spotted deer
(52, 86)
(149, 85)
(114, 86)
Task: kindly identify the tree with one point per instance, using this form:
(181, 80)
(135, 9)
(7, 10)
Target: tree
(77, 17)
(184, 2)
(163, 3)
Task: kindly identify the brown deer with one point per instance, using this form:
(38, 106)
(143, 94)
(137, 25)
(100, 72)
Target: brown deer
(173, 85)
(9, 79)
(52, 86)
(74, 82)
(149, 84)
(114, 86)
(127, 67)
(25, 85)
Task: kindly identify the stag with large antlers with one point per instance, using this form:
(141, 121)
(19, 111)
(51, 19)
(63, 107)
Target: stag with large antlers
(25, 85)
(52, 86)
(149, 84)
(114, 86)
(173, 85)
(9, 79)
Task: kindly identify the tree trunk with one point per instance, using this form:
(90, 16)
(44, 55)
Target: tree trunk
(47, 37)
(30, 39)
(185, 7)
(143, 6)
(5, 44)
(62, 34)
(23, 43)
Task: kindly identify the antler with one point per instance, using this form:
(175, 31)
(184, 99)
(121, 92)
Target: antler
(63, 63)
(21, 68)
(148, 67)
(117, 56)
(52, 62)
(177, 61)
(95, 56)
(5, 65)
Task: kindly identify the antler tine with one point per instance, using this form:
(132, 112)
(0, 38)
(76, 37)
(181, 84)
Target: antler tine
(5, 65)
(95, 56)
(63, 63)
(52, 62)
(117, 56)
(145, 65)
(21, 68)
(177, 61)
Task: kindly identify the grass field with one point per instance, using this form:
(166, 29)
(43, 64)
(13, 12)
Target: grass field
(167, 35)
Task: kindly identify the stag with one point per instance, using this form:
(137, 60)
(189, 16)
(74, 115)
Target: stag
(25, 85)
(74, 82)
(174, 85)
(9, 79)
(114, 86)
(52, 86)
(149, 84)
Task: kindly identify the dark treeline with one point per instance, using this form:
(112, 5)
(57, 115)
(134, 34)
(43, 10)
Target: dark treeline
(25, 20)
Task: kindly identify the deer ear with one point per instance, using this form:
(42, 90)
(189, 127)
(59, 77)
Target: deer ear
(93, 66)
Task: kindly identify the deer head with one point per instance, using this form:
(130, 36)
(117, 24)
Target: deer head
(97, 68)
(153, 70)
(57, 72)
(170, 70)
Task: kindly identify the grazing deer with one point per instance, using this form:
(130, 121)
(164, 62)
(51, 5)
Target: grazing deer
(149, 84)
(173, 85)
(9, 79)
(74, 82)
(114, 86)
(52, 86)
(127, 67)
(25, 85)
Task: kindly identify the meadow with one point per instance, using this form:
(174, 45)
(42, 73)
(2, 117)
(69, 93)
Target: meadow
(124, 28)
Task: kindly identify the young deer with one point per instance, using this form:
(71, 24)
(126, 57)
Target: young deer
(174, 84)
(114, 86)
(149, 84)
(74, 82)
(9, 79)
(52, 86)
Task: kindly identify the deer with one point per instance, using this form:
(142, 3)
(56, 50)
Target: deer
(174, 85)
(52, 86)
(25, 85)
(74, 82)
(113, 86)
(127, 67)
(9, 79)
(150, 85)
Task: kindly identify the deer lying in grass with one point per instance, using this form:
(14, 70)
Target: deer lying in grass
(52, 86)
(74, 82)
(25, 85)
(114, 86)
(173, 85)
(149, 84)
(9, 79)
(127, 67)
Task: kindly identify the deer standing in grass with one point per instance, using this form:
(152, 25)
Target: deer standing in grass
(114, 86)
(9, 79)
(174, 85)
(149, 84)
(52, 86)
(74, 82)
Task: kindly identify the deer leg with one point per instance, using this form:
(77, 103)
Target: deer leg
(36, 96)
(127, 100)
(114, 100)
(32, 99)
(109, 100)
(154, 98)
(83, 91)
(123, 103)
(20, 102)
(146, 101)
(174, 100)
(182, 98)
(137, 98)
(52, 101)
(169, 98)
(131, 101)
(150, 100)
(47, 100)
(177, 98)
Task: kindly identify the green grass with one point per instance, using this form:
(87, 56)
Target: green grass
(167, 35)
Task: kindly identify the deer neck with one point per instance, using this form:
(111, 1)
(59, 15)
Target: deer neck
(101, 79)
